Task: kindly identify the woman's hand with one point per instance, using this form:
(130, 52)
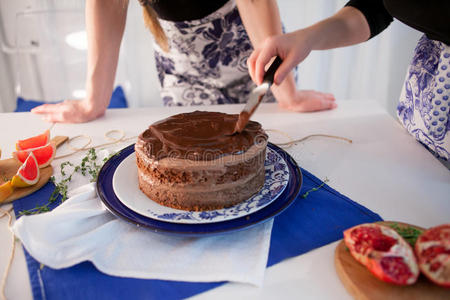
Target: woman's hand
(288, 97)
(347, 27)
(262, 23)
(308, 101)
(70, 111)
(105, 24)
(292, 48)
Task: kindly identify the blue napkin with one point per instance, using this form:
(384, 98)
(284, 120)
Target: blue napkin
(118, 100)
(310, 222)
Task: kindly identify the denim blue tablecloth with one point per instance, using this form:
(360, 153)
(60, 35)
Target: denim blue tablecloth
(310, 222)
(118, 100)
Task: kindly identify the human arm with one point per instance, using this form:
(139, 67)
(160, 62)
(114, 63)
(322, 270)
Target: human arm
(347, 27)
(105, 24)
(261, 19)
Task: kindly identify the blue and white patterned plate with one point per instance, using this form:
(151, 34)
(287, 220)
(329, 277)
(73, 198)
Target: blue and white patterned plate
(111, 201)
(125, 184)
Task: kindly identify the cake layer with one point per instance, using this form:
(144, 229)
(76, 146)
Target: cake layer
(186, 174)
(204, 199)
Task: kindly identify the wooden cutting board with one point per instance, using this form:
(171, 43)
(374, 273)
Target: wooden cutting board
(9, 167)
(361, 284)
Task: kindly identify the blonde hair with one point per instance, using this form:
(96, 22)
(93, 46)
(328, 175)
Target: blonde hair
(152, 23)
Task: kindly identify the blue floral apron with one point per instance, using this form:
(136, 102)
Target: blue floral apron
(206, 63)
(424, 107)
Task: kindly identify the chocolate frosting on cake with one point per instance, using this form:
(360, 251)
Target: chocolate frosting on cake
(199, 136)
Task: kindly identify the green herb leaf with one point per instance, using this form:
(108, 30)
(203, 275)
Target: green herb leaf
(88, 166)
(409, 234)
(315, 189)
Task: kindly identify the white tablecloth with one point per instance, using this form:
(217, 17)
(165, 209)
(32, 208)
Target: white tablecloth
(384, 169)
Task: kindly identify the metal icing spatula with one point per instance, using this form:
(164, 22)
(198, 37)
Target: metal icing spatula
(256, 95)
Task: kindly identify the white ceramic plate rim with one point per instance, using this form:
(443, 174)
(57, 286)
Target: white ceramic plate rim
(126, 187)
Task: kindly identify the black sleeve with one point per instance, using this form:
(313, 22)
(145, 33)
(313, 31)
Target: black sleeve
(375, 13)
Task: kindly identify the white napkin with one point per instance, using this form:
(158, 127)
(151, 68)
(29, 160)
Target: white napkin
(82, 229)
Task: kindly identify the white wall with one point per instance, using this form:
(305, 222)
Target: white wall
(373, 70)
(137, 63)
(51, 70)
(37, 63)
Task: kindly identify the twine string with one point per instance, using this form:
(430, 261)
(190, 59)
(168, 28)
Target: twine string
(11, 255)
(109, 135)
(74, 148)
(51, 126)
(122, 138)
(293, 142)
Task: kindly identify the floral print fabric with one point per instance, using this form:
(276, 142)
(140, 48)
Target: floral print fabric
(206, 63)
(424, 107)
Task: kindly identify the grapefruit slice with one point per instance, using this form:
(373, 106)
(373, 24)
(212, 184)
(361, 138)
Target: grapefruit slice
(34, 142)
(6, 189)
(28, 173)
(44, 155)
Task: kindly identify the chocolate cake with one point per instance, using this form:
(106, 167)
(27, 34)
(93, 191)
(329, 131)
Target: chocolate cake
(191, 161)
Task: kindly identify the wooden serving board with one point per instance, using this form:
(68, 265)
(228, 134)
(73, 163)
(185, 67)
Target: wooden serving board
(9, 167)
(361, 284)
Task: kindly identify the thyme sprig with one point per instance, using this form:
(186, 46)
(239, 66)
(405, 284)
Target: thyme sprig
(315, 189)
(409, 233)
(88, 167)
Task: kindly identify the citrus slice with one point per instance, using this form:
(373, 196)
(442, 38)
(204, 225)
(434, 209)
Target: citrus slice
(44, 155)
(6, 190)
(34, 142)
(28, 173)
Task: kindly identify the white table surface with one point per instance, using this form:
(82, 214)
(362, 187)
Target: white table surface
(384, 169)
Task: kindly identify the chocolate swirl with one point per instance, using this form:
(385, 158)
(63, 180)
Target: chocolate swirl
(199, 135)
